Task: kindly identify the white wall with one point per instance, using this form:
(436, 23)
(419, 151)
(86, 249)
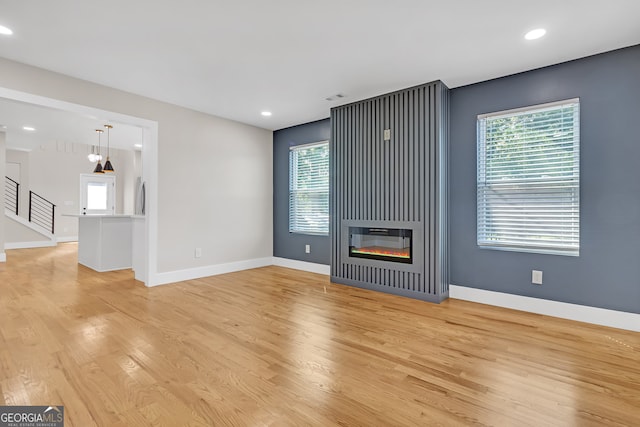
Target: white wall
(15, 232)
(217, 178)
(21, 158)
(214, 175)
(2, 175)
(54, 173)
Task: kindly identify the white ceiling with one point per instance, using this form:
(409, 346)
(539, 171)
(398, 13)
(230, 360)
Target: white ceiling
(235, 59)
(57, 126)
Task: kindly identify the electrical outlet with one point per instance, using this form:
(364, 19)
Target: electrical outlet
(198, 252)
(536, 277)
(307, 249)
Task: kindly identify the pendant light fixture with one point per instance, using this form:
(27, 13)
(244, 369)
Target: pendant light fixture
(92, 156)
(98, 168)
(108, 167)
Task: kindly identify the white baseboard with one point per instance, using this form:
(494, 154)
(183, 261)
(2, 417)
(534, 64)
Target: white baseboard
(302, 265)
(3, 257)
(209, 270)
(66, 239)
(581, 313)
(29, 245)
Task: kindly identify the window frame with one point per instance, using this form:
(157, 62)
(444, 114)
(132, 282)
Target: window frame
(525, 186)
(294, 226)
(109, 180)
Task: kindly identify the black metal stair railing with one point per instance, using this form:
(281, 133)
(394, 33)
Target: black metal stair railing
(11, 195)
(42, 212)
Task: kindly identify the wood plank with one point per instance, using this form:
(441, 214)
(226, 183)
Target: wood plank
(273, 346)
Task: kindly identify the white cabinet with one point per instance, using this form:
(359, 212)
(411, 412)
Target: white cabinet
(105, 242)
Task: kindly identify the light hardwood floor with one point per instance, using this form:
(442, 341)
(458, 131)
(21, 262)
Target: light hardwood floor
(273, 346)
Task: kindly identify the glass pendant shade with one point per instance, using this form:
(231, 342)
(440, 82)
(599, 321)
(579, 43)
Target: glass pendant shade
(92, 156)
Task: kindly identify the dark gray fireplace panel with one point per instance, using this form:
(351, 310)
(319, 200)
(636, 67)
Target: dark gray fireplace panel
(418, 247)
(389, 170)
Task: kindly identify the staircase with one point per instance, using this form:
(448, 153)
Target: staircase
(11, 195)
(41, 219)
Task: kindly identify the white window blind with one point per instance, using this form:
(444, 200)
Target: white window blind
(309, 188)
(529, 179)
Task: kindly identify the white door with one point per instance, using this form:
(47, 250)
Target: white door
(97, 194)
(13, 171)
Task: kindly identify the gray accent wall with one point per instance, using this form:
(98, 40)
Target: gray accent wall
(396, 183)
(285, 244)
(607, 272)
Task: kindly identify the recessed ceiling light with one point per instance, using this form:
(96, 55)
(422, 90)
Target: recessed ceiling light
(535, 34)
(266, 113)
(137, 145)
(5, 31)
(29, 128)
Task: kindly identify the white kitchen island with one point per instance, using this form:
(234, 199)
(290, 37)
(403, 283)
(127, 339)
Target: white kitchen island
(105, 242)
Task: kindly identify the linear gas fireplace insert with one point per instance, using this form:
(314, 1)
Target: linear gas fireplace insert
(384, 244)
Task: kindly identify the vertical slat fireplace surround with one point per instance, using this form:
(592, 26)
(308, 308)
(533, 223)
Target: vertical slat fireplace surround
(397, 181)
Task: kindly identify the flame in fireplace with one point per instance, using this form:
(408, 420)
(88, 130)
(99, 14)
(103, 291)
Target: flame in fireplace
(380, 251)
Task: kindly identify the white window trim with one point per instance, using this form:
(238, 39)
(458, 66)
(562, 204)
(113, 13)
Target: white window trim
(291, 193)
(545, 247)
